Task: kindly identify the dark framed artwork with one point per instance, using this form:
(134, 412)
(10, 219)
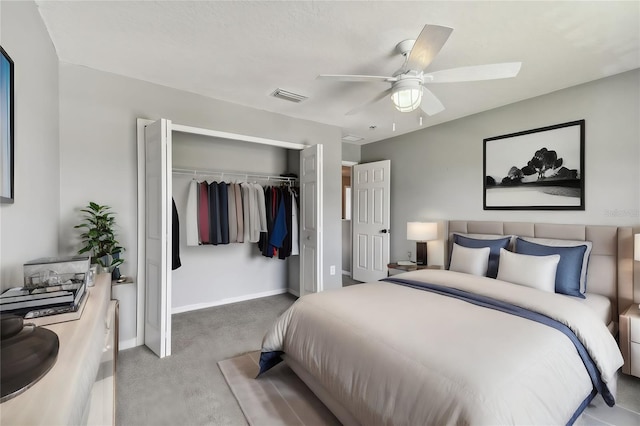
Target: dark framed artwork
(6, 128)
(539, 169)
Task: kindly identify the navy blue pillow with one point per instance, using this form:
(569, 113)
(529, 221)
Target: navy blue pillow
(569, 267)
(494, 249)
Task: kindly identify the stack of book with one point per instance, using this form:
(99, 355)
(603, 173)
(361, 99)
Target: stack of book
(44, 301)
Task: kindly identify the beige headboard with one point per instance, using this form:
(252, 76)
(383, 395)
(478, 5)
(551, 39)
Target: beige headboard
(610, 271)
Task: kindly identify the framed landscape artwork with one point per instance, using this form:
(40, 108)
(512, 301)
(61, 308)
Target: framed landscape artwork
(6, 128)
(539, 169)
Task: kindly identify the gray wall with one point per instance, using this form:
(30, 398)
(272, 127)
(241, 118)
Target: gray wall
(436, 173)
(351, 152)
(98, 114)
(29, 227)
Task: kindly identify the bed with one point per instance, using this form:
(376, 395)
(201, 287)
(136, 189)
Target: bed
(452, 347)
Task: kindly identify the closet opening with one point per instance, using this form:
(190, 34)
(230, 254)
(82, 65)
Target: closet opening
(172, 158)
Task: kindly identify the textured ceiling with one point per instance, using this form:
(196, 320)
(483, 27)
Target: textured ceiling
(241, 51)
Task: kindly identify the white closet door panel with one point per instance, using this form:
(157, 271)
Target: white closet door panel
(311, 264)
(157, 318)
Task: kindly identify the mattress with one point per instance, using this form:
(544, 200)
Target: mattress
(601, 306)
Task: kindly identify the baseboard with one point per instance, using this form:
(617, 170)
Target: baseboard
(348, 273)
(294, 292)
(197, 306)
(127, 344)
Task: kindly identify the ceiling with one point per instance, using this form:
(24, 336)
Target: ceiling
(241, 51)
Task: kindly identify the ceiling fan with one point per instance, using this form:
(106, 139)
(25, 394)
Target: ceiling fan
(408, 90)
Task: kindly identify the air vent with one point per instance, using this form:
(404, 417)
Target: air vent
(288, 96)
(351, 138)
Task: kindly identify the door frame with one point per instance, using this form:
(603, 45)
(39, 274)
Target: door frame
(141, 216)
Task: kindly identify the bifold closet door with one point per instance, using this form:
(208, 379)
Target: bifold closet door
(157, 316)
(311, 262)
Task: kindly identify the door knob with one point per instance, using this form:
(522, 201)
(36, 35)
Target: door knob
(384, 231)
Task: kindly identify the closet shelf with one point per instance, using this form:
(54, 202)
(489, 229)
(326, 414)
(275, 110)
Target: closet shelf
(222, 173)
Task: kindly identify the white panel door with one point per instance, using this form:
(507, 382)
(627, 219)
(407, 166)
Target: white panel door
(370, 220)
(157, 317)
(311, 264)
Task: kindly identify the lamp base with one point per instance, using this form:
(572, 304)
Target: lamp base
(421, 253)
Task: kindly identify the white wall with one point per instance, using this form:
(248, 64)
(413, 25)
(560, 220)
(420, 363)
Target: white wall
(436, 173)
(29, 227)
(98, 114)
(210, 274)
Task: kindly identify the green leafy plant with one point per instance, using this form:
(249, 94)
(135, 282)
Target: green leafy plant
(98, 236)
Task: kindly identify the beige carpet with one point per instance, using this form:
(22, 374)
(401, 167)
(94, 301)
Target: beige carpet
(278, 397)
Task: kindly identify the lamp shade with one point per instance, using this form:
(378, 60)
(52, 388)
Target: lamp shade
(636, 248)
(422, 231)
(407, 99)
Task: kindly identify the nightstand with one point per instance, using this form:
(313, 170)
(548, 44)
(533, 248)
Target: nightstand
(630, 340)
(406, 268)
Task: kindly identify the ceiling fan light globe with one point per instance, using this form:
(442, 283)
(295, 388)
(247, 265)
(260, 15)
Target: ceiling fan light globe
(407, 99)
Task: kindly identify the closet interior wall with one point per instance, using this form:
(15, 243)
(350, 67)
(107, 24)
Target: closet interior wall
(212, 275)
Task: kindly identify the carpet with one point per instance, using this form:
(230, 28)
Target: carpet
(279, 397)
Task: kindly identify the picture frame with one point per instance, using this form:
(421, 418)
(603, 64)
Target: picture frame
(7, 130)
(538, 169)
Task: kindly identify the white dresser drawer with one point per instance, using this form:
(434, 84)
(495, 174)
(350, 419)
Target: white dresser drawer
(635, 359)
(634, 324)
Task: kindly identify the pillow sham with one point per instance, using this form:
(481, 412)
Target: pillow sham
(494, 247)
(474, 261)
(568, 243)
(532, 271)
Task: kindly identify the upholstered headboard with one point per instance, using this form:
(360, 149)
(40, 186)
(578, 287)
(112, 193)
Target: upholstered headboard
(610, 271)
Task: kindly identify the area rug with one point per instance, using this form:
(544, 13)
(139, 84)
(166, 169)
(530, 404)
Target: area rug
(279, 397)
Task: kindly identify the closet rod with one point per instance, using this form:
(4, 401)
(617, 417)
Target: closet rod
(222, 173)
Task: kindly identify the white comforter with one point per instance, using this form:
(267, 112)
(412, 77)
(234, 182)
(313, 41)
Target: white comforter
(396, 355)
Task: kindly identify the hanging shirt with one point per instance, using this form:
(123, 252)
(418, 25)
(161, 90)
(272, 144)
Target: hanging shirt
(203, 212)
(279, 226)
(175, 237)
(239, 211)
(233, 220)
(191, 219)
(214, 214)
(223, 212)
(246, 212)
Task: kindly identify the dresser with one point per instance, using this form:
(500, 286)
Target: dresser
(630, 340)
(80, 388)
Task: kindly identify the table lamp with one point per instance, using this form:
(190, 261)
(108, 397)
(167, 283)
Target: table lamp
(421, 232)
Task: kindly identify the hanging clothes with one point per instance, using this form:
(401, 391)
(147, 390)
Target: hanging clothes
(231, 213)
(246, 212)
(203, 212)
(214, 214)
(239, 211)
(175, 237)
(279, 231)
(192, 214)
(223, 212)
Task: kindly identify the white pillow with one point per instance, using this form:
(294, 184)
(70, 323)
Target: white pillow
(531, 271)
(474, 261)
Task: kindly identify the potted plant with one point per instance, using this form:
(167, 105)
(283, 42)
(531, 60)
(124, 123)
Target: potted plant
(99, 239)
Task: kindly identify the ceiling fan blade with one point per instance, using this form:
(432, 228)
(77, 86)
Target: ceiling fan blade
(427, 46)
(474, 73)
(372, 101)
(430, 103)
(360, 78)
